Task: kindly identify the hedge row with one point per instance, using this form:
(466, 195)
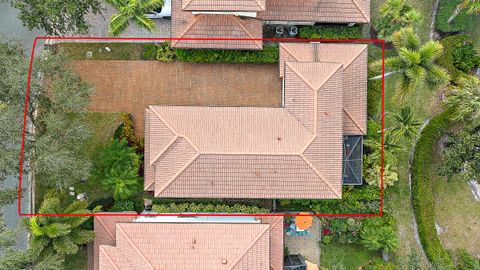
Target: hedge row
(269, 55)
(462, 22)
(207, 208)
(423, 198)
(374, 96)
(331, 32)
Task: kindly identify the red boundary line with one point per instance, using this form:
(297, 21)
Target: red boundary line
(382, 42)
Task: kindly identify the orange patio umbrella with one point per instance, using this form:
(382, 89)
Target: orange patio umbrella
(303, 222)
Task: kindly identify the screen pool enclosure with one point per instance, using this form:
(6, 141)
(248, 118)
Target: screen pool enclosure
(352, 160)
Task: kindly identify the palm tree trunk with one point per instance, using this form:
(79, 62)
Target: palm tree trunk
(388, 74)
(456, 12)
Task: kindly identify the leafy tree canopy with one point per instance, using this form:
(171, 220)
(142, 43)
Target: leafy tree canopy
(57, 17)
(395, 15)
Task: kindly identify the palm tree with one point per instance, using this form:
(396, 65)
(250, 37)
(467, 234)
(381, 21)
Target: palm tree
(123, 182)
(415, 63)
(116, 153)
(59, 235)
(395, 15)
(472, 6)
(464, 100)
(406, 124)
(379, 238)
(132, 11)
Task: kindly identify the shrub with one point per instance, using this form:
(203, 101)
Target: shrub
(206, 208)
(374, 95)
(422, 195)
(379, 264)
(149, 51)
(165, 53)
(450, 45)
(331, 32)
(461, 23)
(465, 58)
(128, 133)
(121, 206)
(269, 55)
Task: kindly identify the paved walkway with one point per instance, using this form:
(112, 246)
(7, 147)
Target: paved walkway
(307, 246)
(130, 86)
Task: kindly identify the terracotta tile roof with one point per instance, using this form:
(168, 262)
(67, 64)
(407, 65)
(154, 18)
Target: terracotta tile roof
(246, 152)
(208, 246)
(201, 26)
(104, 227)
(331, 11)
(353, 57)
(224, 5)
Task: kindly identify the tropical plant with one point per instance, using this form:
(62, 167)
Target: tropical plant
(123, 181)
(472, 6)
(395, 15)
(415, 63)
(464, 101)
(59, 235)
(132, 11)
(372, 175)
(382, 238)
(405, 124)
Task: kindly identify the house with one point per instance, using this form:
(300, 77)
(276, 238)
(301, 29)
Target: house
(302, 150)
(196, 22)
(184, 242)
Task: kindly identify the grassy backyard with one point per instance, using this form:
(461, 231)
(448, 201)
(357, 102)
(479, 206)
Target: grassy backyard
(351, 256)
(118, 51)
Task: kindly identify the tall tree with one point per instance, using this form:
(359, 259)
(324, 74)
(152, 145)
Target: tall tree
(415, 63)
(395, 15)
(59, 235)
(464, 101)
(472, 6)
(132, 11)
(57, 17)
(405, 123)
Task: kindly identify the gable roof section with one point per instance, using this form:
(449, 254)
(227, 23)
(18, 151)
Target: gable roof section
(203, 27)
(188, 246)
(353, 57)
(104, 227)
(223, 5)
(332, 11)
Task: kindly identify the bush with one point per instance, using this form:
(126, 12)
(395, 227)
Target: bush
(165, 53)
(149, 51)
(422, 195)
(128, 133)
(122, 206)
(465, 58)
(331, 32)
(206, 208)
(379, 264)
(374, 96)
(450, 45)
(269, 55)
(461, 23)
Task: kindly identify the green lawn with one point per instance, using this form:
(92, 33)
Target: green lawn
(351, 256)
(118, 51)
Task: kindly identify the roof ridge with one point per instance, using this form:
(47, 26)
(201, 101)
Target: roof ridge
(288, 51)
(184, 167)
(109, 258)
(359, 9)
(353, 120)
(129, 240)
(163, 150)
(249, 153)
(237, 21)
(259, 3)
(319, 175)
(165, 122)
(314, 88)
(194, 21)
(105, 227)
(356, 56)
(188, 2)
(250, 246)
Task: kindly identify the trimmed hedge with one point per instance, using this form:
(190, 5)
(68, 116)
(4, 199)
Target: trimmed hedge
(462, 22)
(423, 198)
(374, 96)
(331, 32)
(207, 208)
(269, 55)
(459, 57)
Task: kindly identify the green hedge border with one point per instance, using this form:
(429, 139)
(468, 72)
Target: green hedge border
(422, 193)
(207, 208)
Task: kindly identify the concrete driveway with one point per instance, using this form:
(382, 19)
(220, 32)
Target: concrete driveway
(99, 26)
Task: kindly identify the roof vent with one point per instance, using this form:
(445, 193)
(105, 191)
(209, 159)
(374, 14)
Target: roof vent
(194, 241)
(224, 261)
(257, 173)
(279, 138)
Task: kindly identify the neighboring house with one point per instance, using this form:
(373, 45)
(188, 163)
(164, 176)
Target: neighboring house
(301, 150)
(244, 19)
(188, 243)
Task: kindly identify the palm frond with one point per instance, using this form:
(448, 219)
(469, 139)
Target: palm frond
(406, 38)
(143, 22)
(149, 5)
(118, 24)
(431, 51)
